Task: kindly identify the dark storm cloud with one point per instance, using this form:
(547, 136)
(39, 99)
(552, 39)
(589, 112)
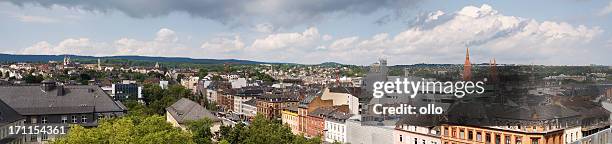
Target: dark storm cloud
(277, 12)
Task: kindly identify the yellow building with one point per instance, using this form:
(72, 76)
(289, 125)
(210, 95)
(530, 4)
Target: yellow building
(290, 117)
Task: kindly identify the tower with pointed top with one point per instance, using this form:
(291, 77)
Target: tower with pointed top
(467, 66)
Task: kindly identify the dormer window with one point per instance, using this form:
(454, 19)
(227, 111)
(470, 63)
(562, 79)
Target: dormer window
(83, 119)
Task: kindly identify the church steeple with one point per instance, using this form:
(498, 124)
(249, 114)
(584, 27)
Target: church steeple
(467, 66)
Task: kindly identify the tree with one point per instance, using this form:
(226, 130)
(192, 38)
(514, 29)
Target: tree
(263, 130)
(201, 130)
(128, 129)
(202, 73)
(32, 78)
(223, 142)
(159, 99)
(136, 108)
(236, 134)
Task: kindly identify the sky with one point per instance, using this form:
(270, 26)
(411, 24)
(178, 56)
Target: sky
(550, 32)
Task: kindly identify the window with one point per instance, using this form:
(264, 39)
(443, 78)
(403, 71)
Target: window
(83, 119)
(33, 138)
(64, 119)
(517, 140)
(416, 141)
(423, 141)
(43, 119)
(33, 120)
(446, 131)
(461, 134)
(497, 139)
(488, 138)
(535, 140)
(401, 138)
(478, 136)
(74, 119)
(44, 136)
(470, 135)
(508, 140)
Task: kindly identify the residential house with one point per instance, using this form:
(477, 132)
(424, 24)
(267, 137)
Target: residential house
(420, 129)
(309, 104)
(58, 105)
(185, 110)
(335, 126)
(243, 95)
(290, 117)
(270, 105)
(316, 119)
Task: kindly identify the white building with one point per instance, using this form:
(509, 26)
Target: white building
(163, 84)
(358, 133)
(410, 134)
(242, 96)
(190, 83)
(335, 127)
(249, 108)
(238, 82)
(572, 134)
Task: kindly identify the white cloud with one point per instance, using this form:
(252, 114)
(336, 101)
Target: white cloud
(282, 41)
(166, 35)
(606, 10)
(489, 33)
(223, 45)
(35, 19)
(165, 43)
(67, 46)
(434, 16)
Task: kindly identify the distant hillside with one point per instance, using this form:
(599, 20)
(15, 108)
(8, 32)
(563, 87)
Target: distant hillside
(330, 64)
(46, 58)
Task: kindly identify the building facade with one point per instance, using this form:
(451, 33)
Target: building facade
(51, 104)
(290, 117)
(271, 105)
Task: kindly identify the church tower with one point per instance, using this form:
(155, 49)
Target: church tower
(467, 66)
(493, 71)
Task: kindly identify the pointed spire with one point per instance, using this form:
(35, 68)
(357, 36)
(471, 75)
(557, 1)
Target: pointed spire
(467, 66)
(467, 53)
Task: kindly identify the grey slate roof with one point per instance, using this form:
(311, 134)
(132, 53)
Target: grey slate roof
(252, 102)
(8, 115)
(32, 100)
(186, 110)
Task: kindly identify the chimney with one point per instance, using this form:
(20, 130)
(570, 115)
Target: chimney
(60, 90)
(47, 85)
